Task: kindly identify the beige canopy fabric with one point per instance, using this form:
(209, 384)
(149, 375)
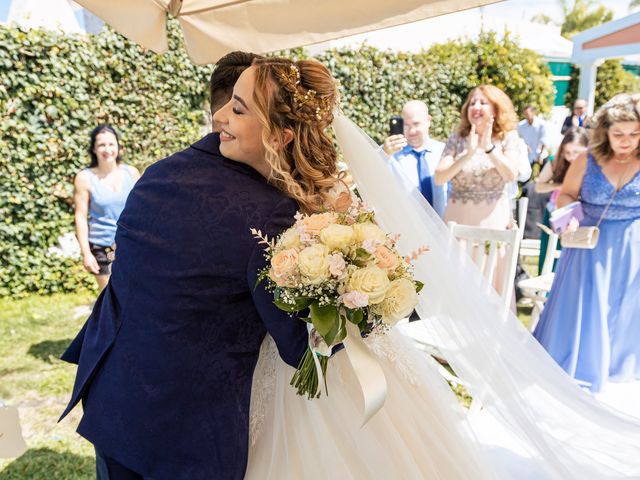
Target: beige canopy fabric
(213, 28)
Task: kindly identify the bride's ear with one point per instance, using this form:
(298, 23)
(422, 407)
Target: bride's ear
(287, 138)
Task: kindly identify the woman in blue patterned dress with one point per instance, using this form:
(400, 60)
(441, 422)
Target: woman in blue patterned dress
(591, 321)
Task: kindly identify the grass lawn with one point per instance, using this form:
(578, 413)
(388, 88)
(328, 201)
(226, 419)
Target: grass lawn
(33, 333)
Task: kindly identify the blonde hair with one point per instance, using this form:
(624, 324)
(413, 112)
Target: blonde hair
(299, 96)
(621, 108)
(505, 119)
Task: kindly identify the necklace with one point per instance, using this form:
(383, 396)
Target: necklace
(627, 160)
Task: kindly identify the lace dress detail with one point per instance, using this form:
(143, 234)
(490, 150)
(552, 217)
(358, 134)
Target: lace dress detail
(391, 347)
(596, 193)
(263, 387)
(479, 180)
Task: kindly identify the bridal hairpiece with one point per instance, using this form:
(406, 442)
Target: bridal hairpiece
(309, 99)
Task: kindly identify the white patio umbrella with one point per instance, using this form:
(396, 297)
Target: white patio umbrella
(213, 28)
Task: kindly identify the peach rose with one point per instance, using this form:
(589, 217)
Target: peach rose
(283, 265)
(342, 202)
(316, 222)
(386, 259)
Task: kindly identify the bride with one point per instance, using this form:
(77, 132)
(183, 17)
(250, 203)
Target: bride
(281, 110)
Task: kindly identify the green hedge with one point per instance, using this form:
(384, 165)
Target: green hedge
(54, 89)
(377, 83)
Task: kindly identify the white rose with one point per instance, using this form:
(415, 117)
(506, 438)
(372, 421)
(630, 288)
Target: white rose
(313, 263)
(337, 237)
(368, 231)
(289, 239)
(399, 302)
(370, 280)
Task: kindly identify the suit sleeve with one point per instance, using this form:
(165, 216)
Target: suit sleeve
(289, 332)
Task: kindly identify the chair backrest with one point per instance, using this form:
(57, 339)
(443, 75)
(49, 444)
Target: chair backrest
(523, 206)
(551, 254)
(482, 246)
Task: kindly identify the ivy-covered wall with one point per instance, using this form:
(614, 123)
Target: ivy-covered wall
(54, 89)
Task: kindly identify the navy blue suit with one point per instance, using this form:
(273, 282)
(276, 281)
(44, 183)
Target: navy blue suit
(165, 361)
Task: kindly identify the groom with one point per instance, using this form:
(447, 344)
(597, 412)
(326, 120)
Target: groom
(165, 361)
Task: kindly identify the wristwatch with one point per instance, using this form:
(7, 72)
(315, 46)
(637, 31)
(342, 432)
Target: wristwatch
(491, 149)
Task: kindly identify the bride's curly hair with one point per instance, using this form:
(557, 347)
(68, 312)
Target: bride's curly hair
(300, 96)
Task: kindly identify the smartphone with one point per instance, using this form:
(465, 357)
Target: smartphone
(396, 125)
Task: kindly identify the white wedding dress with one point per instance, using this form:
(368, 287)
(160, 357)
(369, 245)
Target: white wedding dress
(421, 432)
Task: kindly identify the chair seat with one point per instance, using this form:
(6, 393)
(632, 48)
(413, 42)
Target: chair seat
(530, 247)
(540, 284)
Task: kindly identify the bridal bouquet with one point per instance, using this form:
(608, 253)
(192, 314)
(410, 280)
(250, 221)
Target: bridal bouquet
(337, 267)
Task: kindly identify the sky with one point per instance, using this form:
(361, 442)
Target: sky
(516, 9)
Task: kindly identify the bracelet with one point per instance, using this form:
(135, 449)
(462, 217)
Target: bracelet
(493, 146)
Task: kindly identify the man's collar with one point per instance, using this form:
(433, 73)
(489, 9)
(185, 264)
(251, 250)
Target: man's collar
(210, 144)
(426, 147)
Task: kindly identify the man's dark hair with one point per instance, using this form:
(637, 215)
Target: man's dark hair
(225, 75)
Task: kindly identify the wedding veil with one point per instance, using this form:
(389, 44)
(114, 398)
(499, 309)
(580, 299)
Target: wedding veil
(562, 427)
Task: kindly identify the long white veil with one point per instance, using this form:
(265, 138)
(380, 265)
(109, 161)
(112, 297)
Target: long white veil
(565, 430)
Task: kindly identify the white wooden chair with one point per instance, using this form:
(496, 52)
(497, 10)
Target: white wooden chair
(482, 245)
(537, 288)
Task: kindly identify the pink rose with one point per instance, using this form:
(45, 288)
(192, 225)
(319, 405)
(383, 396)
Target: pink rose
(337, 265)
(354, 299)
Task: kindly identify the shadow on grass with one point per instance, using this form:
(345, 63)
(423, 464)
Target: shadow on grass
(49, 350)
(47, 464)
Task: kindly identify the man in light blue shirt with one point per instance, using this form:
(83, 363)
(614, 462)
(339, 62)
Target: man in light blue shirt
(532, 131)
(417, 154)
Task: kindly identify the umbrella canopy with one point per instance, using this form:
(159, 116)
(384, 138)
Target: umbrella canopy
(213, 28)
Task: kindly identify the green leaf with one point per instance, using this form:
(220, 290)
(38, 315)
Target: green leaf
(326, 321)
(300, 304)
(264, 274)
(419, 285)
(355, 316)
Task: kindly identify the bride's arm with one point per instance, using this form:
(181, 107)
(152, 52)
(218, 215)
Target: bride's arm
(289, 333)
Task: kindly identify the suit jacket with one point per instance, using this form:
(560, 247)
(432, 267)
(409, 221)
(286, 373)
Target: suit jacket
(568, 123)
(165, 361)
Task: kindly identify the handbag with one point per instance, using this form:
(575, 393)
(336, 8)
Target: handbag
(587, 237)
(581, 237)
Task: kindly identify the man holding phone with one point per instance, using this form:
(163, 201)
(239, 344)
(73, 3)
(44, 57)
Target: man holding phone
(409, 144)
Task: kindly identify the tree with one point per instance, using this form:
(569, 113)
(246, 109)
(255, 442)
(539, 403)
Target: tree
(578, 17)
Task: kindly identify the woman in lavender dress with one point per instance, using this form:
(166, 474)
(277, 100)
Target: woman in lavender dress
(591, 322)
